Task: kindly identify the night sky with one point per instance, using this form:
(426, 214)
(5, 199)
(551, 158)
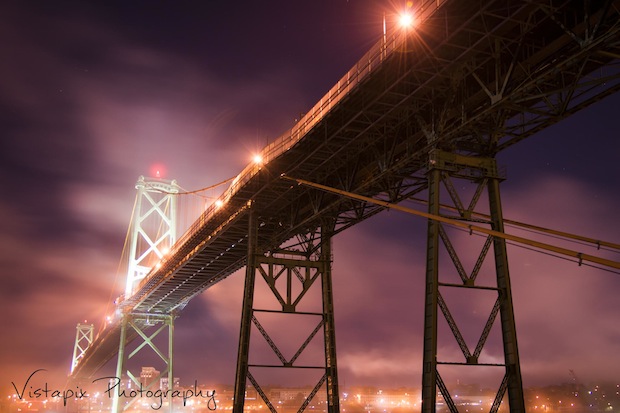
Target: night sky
(93, 95)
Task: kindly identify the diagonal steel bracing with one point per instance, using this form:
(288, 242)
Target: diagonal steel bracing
(482, 173)
(290, 273)
(137, 324)
(83, 339)
(156, 203)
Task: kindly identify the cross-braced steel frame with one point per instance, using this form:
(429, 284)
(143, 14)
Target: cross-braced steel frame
(133, 324)
(483, 174)
(156, 204)
(83, 339)
(289, 272)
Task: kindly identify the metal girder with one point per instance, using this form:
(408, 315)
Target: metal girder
(500, 395)
(294, 267)
(455, 329)
(441, 166)
(445, 394)
(261, 393)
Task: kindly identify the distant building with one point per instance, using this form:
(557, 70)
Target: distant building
(163, 383)
(148, 375)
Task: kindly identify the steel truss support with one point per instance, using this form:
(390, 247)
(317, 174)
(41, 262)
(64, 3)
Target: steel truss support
(289, 272)
(153, 227)
(139, 324)
(83, 339)
(482, 172)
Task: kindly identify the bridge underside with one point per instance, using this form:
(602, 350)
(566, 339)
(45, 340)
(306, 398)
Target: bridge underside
(473, 78)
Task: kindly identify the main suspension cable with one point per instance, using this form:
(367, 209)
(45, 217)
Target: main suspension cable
(581, 257)
(580, 239)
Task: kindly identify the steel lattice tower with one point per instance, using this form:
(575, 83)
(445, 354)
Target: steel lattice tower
(290, 272)
(153, 229)
(153, 232)
(83, 339)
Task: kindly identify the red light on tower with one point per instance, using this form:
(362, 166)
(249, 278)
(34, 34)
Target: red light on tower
(157, 170)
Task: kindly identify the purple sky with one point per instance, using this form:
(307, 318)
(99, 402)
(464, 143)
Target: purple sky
(93, 95)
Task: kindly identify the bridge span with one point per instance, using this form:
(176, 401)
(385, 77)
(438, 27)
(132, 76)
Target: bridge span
(427, 103)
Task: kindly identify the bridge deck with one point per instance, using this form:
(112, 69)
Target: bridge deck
(472, 77)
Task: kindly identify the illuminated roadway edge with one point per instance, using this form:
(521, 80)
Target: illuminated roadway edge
(373, 131)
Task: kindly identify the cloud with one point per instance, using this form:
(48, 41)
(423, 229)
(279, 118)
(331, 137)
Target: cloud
(375, 366)
(564, 311)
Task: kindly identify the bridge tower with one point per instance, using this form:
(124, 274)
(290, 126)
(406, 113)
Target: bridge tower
(83, 339)
(153, 228)
(153, 232)
(292, 272)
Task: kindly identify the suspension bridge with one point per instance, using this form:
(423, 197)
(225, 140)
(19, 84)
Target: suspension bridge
(433, 102)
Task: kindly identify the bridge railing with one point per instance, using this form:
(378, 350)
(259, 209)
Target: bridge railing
(385, 47)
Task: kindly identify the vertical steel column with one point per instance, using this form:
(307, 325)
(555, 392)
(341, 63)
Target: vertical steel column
(329, 330)
(133, 269)
(509, 331)
(246, 317)
(429, 368)
(170, 362)
(120, 364)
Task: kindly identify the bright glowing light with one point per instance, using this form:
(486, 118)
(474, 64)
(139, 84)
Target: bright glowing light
(157, 170)
(405, 20)
(258, 159)
(219, 203)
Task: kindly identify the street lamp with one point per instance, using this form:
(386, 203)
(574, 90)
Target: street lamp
(405, 20)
